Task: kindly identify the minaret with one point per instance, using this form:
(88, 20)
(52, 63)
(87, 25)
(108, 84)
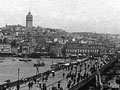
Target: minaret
(29, 20)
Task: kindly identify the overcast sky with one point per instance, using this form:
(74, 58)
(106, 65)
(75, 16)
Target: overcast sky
(69, 15)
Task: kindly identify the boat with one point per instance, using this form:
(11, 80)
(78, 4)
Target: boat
(39, 64)
(26, 59)
(13, 59)
(2, 58)
(1, 61)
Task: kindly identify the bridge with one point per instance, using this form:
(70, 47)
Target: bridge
(82, 85)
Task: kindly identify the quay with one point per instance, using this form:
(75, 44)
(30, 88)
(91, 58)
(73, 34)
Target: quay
(80, 74)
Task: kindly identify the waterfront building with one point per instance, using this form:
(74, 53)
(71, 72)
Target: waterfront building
(56, 50)
(24, 48)
(5, 49)
(103, 48)
(88, 49)
(81, 51)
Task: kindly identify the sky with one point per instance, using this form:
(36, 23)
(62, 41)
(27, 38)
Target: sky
(102, 16)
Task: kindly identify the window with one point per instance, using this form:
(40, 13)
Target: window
(66, 50)
(83, 50)
(88, 50)
(79, 50)
(75, 50)
(97, 50)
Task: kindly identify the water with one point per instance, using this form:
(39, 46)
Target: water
(9, 68)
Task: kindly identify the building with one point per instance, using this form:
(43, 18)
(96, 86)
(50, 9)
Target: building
(77, 48)
(5, 49)
(29, 20)
(81, 51)
(25, 48)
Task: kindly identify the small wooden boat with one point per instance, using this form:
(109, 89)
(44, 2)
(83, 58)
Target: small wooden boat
(25, 60)
(1, 61)
(39, 64)
(13, 59)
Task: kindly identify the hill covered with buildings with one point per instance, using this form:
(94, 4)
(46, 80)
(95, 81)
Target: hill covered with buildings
(47, 40)
(20, 40)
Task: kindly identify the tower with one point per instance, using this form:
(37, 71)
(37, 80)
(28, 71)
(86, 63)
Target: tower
(29, 20)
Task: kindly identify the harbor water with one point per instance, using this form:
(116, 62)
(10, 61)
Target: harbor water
(9, 68)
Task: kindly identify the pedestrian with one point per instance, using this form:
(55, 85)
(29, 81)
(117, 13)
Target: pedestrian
(67, 76)
(53, 74)
(63, 74)
(78, 79)
(9, 88)
(46, 78)
(4, 88)
(59, 84)
(52, 87)
(25, 80)
(13, 88)
(35, 80)
(43, 78)
(61, 88)
(44, 87)
(29, 86)
(40, 86)
(78, 74)
(63, 68)
(69, 84)
(18, 87)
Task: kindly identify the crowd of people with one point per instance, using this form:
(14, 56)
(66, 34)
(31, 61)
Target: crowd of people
(84, 70)
(79, 72)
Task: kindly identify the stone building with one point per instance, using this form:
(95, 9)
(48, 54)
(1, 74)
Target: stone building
(29, 20)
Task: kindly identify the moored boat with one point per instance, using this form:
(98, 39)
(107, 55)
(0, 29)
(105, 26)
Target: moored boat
(13, 59)
(25, 60)
(1, 61)
(39, 64)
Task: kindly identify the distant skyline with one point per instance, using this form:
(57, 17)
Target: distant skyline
(101, 16)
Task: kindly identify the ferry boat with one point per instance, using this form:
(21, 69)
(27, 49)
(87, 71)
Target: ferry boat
(26, 59)
(39, 64)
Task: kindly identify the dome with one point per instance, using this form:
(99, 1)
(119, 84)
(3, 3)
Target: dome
(29, 14)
